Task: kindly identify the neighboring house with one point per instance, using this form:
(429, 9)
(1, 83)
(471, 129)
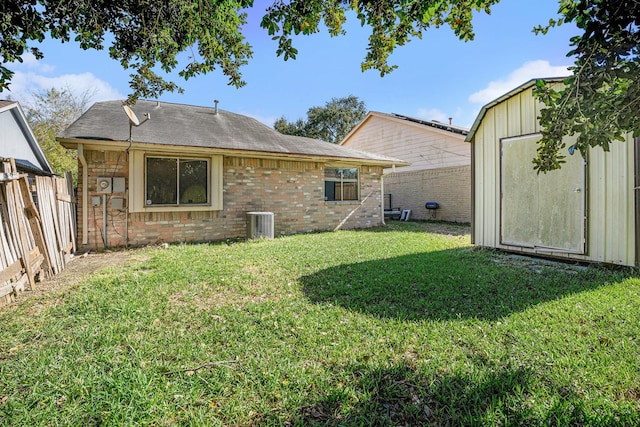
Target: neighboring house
(192, 173)
(18, 142)
(585, 211)
(440, 169)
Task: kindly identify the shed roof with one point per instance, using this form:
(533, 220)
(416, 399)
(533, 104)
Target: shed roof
(203, 127)
(507, 95)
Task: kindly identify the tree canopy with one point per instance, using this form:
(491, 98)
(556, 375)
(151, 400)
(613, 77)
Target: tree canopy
(330, 123)
(598, 102)
(145, 36)
(601, 99)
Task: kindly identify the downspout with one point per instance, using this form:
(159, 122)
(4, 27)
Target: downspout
(393, 170)
(85, 193)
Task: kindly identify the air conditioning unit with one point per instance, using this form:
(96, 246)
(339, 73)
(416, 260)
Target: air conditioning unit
(104, 185)
(260, 225)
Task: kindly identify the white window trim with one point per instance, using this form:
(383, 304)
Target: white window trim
(137, 191)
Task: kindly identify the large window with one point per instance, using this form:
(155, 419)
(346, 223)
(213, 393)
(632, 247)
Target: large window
(340, 184)
(174, 181)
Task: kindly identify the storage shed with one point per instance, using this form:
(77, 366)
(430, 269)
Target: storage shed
(587, 211)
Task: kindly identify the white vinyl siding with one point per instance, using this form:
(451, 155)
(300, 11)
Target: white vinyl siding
(425, 147)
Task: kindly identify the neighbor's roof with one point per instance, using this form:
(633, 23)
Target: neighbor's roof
(507, 95)
(19, 142)
(6, 103)
(412, 120)
(200, 127)
(433, 123)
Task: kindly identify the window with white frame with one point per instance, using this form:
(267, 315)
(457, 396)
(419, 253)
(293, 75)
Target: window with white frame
(176, 181)
(340, 184)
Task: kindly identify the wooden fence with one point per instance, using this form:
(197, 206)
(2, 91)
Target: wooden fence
(37, 237)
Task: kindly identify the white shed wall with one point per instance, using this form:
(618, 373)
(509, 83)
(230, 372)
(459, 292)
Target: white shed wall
(610, 194)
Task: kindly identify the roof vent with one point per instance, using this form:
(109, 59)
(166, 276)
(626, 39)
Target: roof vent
(215, 101)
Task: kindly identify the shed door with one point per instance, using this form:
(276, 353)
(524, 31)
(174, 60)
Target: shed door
(541, 211)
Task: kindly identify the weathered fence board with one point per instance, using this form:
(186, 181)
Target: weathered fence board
(36, 239)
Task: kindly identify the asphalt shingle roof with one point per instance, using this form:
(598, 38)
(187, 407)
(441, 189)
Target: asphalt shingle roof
(194, 126)
(4, 103)
(435, 124)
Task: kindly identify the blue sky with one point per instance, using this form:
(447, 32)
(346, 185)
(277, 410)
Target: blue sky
(438, 76)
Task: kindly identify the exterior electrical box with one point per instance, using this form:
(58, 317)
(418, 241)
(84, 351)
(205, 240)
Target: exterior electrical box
(104, 185)
(117, 203)
(119, 184)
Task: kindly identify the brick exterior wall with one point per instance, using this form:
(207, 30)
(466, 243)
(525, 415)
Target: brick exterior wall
(449, 187)
(292, 190)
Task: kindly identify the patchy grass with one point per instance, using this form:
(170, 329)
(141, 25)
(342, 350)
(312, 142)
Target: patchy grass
(393, 326)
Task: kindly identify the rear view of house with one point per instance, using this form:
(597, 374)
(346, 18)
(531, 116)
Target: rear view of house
(190, 173)
(588, 210)
(440, 169)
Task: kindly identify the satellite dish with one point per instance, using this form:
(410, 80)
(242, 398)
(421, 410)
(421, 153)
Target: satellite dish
(133, 119)
(132, 116)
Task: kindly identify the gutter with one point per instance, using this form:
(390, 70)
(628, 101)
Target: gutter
(85, 193)
(230, 152)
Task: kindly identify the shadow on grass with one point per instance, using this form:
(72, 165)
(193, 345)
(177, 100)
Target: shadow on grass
(404, 395)
(448, 284)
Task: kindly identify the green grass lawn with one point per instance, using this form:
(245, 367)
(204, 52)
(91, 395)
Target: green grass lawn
(392, 326)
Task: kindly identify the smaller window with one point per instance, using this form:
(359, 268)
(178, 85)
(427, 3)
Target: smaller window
(340, 184)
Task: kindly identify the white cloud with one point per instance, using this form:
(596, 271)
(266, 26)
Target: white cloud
(433, 114)
(23, 84)
(29, 61)
(529, 70)
(33, 76)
